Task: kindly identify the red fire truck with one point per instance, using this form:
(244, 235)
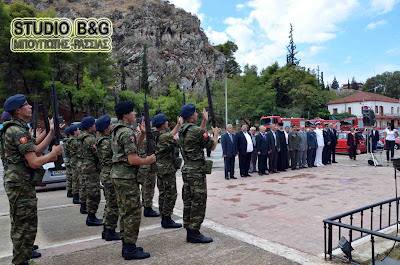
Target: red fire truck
(268, 120)
(347, 124)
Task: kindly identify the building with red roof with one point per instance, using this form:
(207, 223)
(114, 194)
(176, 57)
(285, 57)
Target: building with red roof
(386, 109)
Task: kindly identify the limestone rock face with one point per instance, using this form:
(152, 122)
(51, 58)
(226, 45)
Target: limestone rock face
(178, 49)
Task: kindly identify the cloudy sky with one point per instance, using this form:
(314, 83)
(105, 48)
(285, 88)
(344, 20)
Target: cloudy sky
(346, 38)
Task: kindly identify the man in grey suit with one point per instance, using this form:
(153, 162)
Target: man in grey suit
(302, 155)
(253, 161)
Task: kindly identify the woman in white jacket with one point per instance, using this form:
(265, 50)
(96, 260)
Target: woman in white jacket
(320, 142)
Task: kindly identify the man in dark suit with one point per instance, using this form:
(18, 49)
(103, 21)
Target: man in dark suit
(332, 134)
(244, 147)
(327, 148)
(274, 149)
(229, 152)
(312, 146)
(283, 155)
(263, 151)
(374, 139)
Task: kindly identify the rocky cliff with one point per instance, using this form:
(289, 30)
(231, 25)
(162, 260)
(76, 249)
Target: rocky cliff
(178, 49)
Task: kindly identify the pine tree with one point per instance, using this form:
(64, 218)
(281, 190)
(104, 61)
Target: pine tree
(354, 84)
(291, 56)
(335, 83)
(322, 81)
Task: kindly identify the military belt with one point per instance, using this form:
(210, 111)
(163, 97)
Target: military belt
(194, 162)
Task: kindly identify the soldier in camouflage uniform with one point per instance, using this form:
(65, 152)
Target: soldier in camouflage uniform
(124, 175)
(73, 147)
(22, 158)
(192, 140)
(104, 153)
(89, 170)
(66, 145)
(167, 165)
(147, 179)
(82, 181)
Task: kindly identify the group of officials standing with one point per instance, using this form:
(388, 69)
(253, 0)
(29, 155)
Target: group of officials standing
(112, 157)
(278, 149)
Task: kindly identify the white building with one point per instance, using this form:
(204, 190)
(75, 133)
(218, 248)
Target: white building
(386, 109)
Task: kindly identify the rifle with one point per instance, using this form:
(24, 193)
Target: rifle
(35, 115)
(149, 136)
(57, 133)
(45, 115)
(183, 98)
(210, 105)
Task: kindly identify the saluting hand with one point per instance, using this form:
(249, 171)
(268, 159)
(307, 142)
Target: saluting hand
(179, 121)
(51, 124)
(214, 130)
(205, 114)
(142, 126)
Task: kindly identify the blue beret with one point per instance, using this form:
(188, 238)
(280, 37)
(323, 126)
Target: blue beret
(124, 107)
(5, 116)
(159, 119)
(14, 102)
(187, 111)
(73, 128)
(67, 131)
(87, 122)
(103, 122)
(140, 120)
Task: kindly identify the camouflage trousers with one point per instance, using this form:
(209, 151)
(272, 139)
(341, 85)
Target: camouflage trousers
(194, 196)
(110, 217)
(166, 184)
(69, 177)
(23, 214)
(130, 210)
(148, 181)
(75, 177)
(93, 194)
(82, 183)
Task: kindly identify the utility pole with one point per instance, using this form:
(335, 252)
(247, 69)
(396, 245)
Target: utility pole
(318, 75)
(226, 101)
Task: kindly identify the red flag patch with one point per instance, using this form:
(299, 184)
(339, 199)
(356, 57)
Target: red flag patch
(23, 140)
(133, 138)
(94, 146)
(175, 138)
(205, 135)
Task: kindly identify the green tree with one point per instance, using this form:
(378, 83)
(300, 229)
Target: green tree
(322, 83)
(354, 84)
(335, 84)
(387, 83)
(228, 49)
(291, 56)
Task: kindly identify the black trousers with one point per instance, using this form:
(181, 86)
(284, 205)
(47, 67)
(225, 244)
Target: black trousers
(389, 147)
(262, 164)
(311, 156)
(273, 161)
(333, 153)
(293, 158)
(244, 163)
(229, 166)
(326, 152)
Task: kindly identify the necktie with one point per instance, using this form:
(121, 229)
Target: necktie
(230, 136)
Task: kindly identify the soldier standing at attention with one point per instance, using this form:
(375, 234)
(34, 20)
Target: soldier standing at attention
(67, 148)
(124, 175)
(82, 181)
(74, 147)
(90, 174)
(104, 153)
(192, 140)
(23, 159)
(147, 179)
(167, 165)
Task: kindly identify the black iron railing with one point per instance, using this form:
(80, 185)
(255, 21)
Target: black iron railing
(361, 223)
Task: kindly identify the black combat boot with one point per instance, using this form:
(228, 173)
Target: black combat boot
(197, 237)
(69, 194)
(35, 247)
(167, 222)
(132, 252)
(149, 212)
(75, 199)
(35, 255)
(111, 235)
(83, 208)
(124, 247)
(103, 233)
(91, 220)
(26, 263)
(188, 234)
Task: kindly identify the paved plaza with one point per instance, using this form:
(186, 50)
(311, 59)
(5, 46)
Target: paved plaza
(273, 219)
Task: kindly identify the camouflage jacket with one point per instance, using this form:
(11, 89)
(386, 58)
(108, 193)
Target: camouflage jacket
(165, 147)
(123, 143)
(79, 140)
(89, 154)
(67, 150)
(192, 141)
(74, 149)
(17, 141)
(103, 149)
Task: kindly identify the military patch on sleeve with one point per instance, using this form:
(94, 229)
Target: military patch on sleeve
(176, 137)
(133, 139)
(23, 140)
(205, 135)
(94, 146)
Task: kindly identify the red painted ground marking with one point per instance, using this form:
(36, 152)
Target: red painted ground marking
(300, 176)
(274, 192)
(272, 180)
(214, 189)
(266, 208)
(242, 184)
(232, 200)
(240, 215)
(252, 189)
(304, 199)
(231, 186)
(239, 194)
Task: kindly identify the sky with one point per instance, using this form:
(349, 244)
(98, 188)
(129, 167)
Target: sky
(345, 38)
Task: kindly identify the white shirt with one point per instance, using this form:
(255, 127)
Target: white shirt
(249, 142)
(320, 137)
(287, 137)
(390, 135)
